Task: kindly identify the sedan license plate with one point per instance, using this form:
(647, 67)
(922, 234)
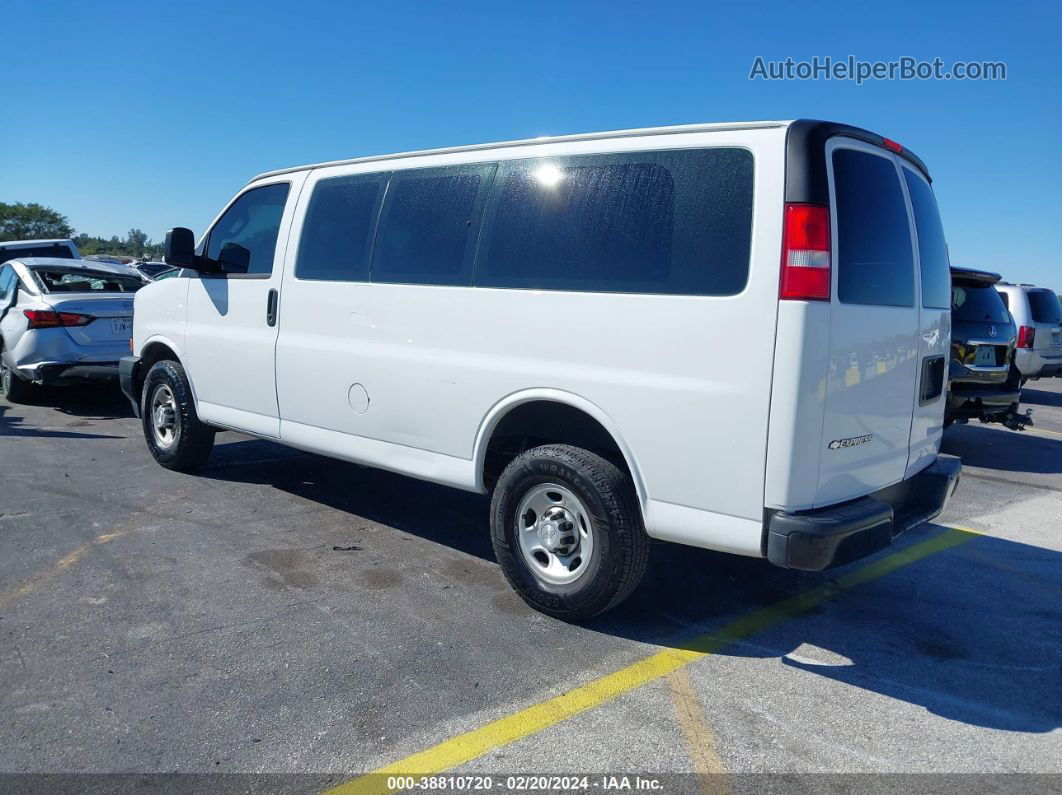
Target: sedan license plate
(985, 356)
(121, 325)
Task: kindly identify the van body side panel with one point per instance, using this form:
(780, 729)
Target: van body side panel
(797, 403)
(159, 315)
(684, 379)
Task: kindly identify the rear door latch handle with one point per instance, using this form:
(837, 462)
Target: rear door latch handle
(271, 307)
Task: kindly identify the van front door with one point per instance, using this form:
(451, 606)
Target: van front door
(934, 321)
(232, 318)
(874, 326)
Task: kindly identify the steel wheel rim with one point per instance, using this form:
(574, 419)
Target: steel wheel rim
(555, 533)
(165, 420)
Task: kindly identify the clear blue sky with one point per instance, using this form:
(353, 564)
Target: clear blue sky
(152, 115)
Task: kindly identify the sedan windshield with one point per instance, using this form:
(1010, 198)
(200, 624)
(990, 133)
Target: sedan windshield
(57, 280)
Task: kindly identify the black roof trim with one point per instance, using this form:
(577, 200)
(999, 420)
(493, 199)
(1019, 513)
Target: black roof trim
(805, 157)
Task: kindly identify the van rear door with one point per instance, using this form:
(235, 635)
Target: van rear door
(934, 320)
(875, 326)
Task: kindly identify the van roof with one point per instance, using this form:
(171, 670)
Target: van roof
(680, 128)
(805, 136)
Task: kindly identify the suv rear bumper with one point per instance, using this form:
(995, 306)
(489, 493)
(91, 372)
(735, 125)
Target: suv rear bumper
(1038, 363)
(977, 401)
(826, 537)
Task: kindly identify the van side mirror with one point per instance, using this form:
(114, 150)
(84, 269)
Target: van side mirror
(179, 250)
(234, 258)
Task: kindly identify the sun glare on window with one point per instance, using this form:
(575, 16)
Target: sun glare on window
(548, 175)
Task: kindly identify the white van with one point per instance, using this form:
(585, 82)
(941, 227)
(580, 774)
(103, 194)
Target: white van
(732, 336)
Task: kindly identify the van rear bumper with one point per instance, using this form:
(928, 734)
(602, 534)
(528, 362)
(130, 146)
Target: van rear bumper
(826, 537)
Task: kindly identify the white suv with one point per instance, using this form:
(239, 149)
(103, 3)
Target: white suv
(1038, 315)
(733, 336)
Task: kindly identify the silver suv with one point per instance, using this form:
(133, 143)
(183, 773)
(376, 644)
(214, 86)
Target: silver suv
(62, 321)
(1038, 316)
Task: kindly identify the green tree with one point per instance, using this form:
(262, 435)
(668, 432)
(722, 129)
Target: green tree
(32, 221)
(135, 242)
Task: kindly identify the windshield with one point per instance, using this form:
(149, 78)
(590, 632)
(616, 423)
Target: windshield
(153, 269)
(981, 304)
(55, 280)
(1045, 307)
(49, 250)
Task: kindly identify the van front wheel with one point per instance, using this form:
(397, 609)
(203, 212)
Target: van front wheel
(567, 531)
(174, 433)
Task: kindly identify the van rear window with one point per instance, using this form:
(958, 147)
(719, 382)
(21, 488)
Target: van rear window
(932, 248)
(875, 262)
(675, 222)
(1045, 307)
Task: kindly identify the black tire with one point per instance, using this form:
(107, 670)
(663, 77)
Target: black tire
(620, 551)
(16, 390)
(192, 439)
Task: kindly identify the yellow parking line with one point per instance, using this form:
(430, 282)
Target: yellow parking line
(1043, 430)
(64, 563)
(501, 732)
(700, 740)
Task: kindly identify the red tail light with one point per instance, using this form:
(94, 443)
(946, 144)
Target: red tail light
(806, 253)
(45, 318)
(891, 145)
(1026, 336)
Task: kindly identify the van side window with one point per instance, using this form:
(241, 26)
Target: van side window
(253, 221)
(657, 222)
(336, 241)
(932, 248)
(1006, 299)
(429, 224)
(875, 262)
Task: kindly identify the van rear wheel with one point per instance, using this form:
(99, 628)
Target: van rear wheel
(174, 433)
(567, 531)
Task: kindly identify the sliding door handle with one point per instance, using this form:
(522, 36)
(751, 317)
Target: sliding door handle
(271, 308)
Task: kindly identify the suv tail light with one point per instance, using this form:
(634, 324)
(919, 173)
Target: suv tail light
(1026, 336)
(45, 318)
(806, 253)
